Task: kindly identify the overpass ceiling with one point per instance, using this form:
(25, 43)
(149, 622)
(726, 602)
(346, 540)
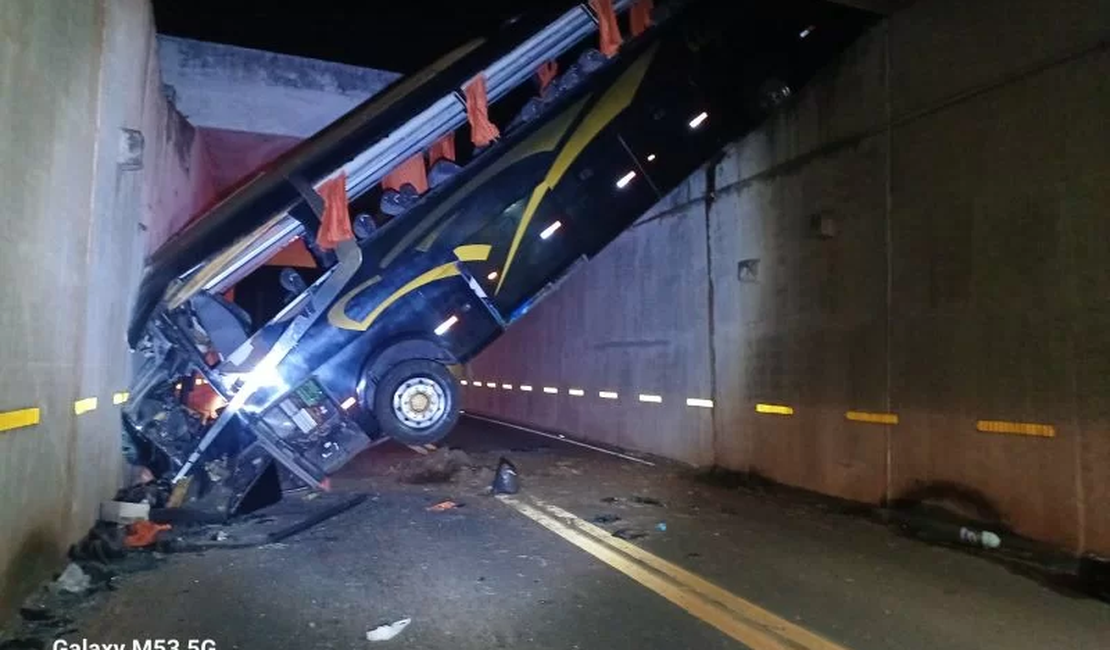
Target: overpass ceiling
(397, 36)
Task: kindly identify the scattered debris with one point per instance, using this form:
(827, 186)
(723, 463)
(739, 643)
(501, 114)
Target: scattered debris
(151, 492)
(143, 533)
(983, 538)
(605, 519)
(123, 512)
(103, 543)
(507, 480)
(179, 493)
(439, 466)
(219, 536)
(482, 476)
(387, 632)
(73, 580)
(23, 643)
(35, 614)
(628, 533)
(610, 499)
(661, 526)
(444, 505)
(645, 501)
(262, 540)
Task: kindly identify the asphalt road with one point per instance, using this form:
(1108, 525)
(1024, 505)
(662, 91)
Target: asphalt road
(484, 575)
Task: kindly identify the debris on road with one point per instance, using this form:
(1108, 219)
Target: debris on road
(23, 643)
(387, 632)
(143, 533)
(35, 614)
(219, 536)
(124, 512)
(151, 492)
(661, 526)
(645, 501)
(103, 543)
(444, 505)
(73, 580)
(439, 466)
(179, 493)
(507, 480)
(605, 519)
(628, 534)
(984, 538)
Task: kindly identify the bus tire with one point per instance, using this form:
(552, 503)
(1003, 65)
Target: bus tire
(416, 402)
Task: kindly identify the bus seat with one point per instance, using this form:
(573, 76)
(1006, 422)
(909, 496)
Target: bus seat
(227, 324)
(442, 171)
(396, 202)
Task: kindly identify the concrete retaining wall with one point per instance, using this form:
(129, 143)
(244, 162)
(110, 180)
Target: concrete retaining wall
(76, 223)
(960, 155)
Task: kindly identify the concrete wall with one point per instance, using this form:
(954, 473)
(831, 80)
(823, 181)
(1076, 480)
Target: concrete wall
(248, 106)
(961, 152)
(75, 226)
(240, 89)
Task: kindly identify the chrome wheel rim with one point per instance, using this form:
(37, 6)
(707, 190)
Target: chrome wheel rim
(419, 403)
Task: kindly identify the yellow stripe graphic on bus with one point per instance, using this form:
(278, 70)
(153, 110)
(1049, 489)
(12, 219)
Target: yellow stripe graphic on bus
(608, 107)
(338, 317)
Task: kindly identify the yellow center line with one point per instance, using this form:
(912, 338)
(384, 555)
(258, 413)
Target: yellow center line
(740, 619)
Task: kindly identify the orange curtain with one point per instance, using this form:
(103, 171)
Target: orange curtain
(444, 148)
(546, 73)
(609, 32)
(639, 17)
(336, 224)
(482, 131)
(411, 171)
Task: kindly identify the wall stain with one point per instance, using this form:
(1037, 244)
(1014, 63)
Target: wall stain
(36, 557)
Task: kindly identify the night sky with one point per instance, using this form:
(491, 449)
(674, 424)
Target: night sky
(402, 36)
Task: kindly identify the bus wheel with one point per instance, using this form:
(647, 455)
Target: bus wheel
(416, 402)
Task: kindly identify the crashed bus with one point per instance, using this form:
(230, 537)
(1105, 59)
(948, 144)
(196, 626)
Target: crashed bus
(369, 349)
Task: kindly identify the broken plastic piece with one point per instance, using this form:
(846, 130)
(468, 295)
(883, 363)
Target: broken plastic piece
(122, 512)
(387, 632)
(73, 580)
(482, 131)
(443, 506)
(506, 481)
(143, 533)
(609, 33)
